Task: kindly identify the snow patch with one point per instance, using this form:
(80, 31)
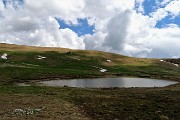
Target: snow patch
(175, 65)
(170, 63)
(108, 60)
(4, 56)
(40, 57)
(103, 70)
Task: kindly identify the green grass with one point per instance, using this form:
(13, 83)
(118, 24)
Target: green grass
(146, 104)
(24, 66)
(106, 104)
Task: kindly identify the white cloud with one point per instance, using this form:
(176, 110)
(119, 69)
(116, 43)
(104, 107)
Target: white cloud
(66, 9)
(167, 41)
(171, 8)
(174, 7)
(118, 28)
(1, 5)
(95, 41)
(117, 31)
(46, 34)
(140, 5)
(159, 14)
(164, 2)
(123, 4)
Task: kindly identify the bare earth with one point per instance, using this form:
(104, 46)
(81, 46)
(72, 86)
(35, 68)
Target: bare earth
(48, 109)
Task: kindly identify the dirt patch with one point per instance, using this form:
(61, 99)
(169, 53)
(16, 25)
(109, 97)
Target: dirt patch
(34, 107)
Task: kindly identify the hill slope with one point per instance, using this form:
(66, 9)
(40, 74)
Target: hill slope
(22, 64)
(26, 64)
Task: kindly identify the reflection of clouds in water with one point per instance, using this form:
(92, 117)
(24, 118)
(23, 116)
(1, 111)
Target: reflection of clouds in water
(110, 82)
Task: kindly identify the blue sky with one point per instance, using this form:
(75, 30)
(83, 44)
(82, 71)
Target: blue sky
(150, 6)
(168, 20)
(82, 28)
(15, 3)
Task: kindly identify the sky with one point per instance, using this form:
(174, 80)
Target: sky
(137, 28)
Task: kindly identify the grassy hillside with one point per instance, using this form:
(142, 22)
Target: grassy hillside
(20, 64)
(34, 63)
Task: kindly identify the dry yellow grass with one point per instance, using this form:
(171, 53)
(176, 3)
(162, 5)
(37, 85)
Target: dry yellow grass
(117, 59)
(13, 47)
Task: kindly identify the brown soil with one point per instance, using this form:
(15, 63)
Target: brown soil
(51, 109)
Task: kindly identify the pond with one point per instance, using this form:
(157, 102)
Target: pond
(109, 83)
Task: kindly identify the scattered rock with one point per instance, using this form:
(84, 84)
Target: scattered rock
(26, 111)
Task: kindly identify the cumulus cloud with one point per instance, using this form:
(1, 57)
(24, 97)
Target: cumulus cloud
(23, 26)
(140, 6)
(118, 26)
(95, 41)
(1, 5)
(117, 31)
(171, 9)
(69, 10)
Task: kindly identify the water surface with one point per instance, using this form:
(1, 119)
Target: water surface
(110, 82)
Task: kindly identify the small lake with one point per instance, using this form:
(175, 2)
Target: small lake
(110, 82)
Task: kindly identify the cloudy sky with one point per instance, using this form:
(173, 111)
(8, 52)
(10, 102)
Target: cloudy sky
(140, 28)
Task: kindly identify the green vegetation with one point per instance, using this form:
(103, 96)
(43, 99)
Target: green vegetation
(29, 64)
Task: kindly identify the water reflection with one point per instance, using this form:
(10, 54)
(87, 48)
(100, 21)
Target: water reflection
(110, 82)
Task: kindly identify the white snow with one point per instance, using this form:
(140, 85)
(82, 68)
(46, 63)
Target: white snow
(175, 65)
(40, 57)
(103, 70)
(4, 56)
(170, 63)
(108, 60)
